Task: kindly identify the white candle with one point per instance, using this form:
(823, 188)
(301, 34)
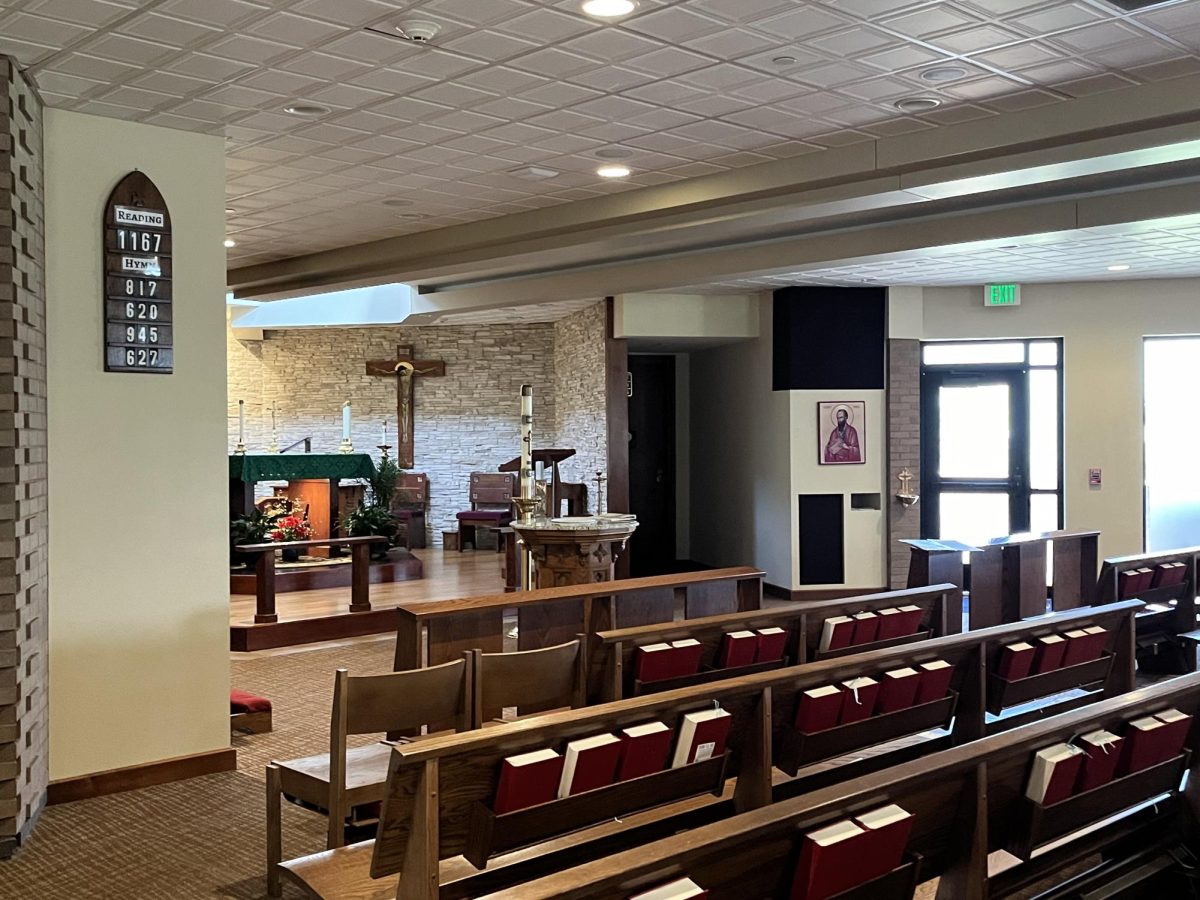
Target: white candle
(537, 467)
(346, 421)
(383, 442)
(272, 417)
(527, 441)
(241, 421)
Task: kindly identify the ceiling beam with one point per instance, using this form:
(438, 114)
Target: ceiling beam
(757, 202)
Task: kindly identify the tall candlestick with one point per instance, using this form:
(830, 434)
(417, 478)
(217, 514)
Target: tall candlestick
(347, 444)
(527, 490)
(241, 444)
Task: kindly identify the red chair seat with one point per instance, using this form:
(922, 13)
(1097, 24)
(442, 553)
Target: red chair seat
(497, 516)
(245, 702)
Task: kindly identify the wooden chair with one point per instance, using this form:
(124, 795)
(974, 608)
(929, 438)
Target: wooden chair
(491, 506)
(531, 680)
(336, 782)
(410, 501)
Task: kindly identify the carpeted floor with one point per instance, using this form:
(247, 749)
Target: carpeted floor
(203, 837)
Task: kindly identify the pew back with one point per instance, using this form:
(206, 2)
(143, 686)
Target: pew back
(440, 791)
(430, 633)
(968, 801)
(611, 663)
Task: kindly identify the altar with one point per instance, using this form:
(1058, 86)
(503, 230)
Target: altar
(313, 480)
(314, 484)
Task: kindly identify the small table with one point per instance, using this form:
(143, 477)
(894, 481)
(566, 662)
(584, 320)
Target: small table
(264, 570)
(582, 552)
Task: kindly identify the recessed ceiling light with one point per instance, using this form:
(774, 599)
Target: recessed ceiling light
(1119, 268)
(230, 243)
(609, 9)
(784, 60)
(943, 74)
(307, 110)
(614, 153)
(410, 216)
(918, 104)
(613, 171)
(397, 201)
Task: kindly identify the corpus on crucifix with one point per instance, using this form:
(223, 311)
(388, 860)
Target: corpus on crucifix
(406, 369)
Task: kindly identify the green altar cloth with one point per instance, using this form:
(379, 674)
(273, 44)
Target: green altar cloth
(287, 467)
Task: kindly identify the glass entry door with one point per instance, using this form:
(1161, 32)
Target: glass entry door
(975, 454)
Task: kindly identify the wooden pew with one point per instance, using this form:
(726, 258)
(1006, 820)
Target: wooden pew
(1166, 639)
(435, 632)
(438, 831)
(974, 827)
(611, 670)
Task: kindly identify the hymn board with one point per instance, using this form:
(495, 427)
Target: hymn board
(137, 279)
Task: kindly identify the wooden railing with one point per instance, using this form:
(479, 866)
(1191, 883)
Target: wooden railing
(264, 571)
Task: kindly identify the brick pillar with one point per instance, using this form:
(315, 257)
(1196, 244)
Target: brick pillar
(904, 450)
(24, 745)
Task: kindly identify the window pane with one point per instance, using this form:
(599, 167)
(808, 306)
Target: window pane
(1043, 429)
(972, 517)
(1043, 353)
(1172, 373)
(973, 438)
(1043, 513)
(974, 353)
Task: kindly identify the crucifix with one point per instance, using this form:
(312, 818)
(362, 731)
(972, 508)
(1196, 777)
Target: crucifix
(406, 368)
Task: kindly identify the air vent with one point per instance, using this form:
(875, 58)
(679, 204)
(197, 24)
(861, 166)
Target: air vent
(1135, 5)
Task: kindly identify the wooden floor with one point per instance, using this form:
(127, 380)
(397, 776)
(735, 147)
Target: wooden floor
(447, 575)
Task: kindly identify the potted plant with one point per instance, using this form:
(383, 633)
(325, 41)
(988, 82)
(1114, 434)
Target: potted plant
(291, 528)
(368, 520)
(251, 529)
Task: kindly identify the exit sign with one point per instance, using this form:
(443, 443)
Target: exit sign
(1002, 295)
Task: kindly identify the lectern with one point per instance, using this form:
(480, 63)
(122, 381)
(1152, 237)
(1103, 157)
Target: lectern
(574, 494)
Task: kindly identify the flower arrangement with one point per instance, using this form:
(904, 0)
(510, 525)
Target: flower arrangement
(292, 528)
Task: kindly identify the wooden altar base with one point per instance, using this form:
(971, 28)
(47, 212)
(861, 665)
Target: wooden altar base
(308, 616)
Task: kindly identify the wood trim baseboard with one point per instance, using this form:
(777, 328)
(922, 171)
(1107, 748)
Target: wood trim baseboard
(112, 781)
(812, 594)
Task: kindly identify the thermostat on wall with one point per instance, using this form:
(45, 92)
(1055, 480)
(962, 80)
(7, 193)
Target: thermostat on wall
(1001, 295)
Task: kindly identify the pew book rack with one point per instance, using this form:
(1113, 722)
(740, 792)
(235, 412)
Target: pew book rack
(974, 829)
(436, 785)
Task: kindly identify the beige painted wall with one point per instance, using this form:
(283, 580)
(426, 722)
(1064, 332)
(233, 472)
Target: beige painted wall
(863, 529)
(1102, 325)
(139, 666)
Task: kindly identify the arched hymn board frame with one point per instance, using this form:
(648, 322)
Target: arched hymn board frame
(138, 300)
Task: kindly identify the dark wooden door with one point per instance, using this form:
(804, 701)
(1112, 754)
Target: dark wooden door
(652, 463)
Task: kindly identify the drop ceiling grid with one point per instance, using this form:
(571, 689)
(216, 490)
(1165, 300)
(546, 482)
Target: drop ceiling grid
(1153, 249)
(689, 85)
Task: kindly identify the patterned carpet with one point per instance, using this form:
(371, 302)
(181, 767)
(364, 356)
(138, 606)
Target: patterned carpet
(203, 837)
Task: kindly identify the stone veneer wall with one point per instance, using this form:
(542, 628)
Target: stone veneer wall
(581, 405)
(24, 744)
(904, 450)
(466, 421)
